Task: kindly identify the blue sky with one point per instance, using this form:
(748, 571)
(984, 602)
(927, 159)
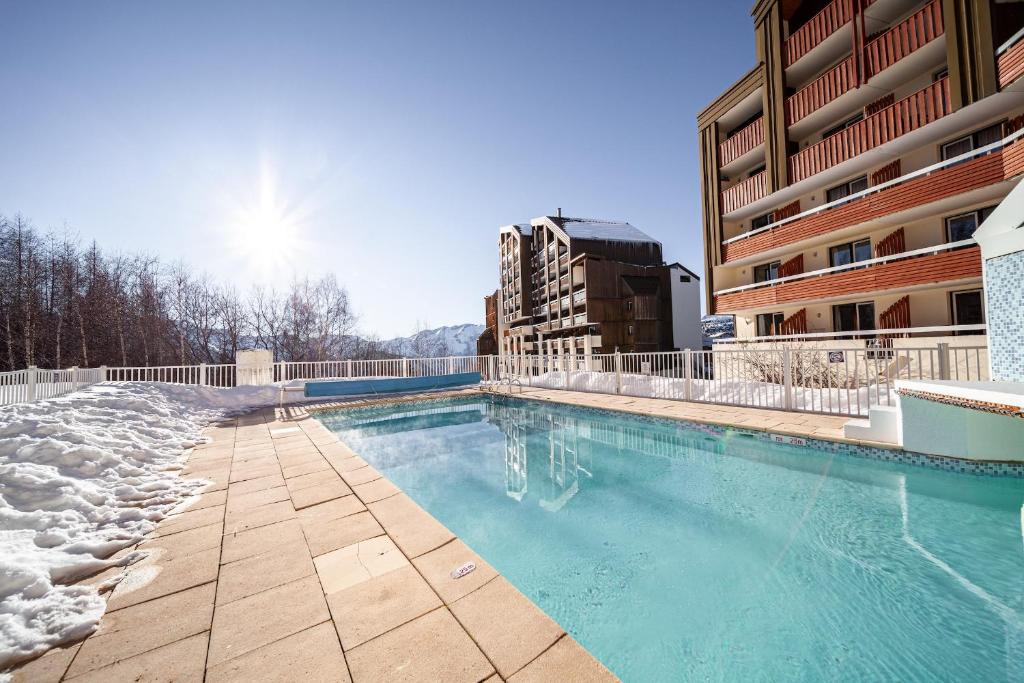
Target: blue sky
(383, 141)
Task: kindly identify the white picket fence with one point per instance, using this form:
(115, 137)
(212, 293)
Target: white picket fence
(819, 380)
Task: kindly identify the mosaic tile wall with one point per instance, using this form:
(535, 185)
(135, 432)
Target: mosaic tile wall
(1004, 297)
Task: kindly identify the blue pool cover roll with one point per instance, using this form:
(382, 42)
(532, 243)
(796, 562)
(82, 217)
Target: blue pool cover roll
(352, 387)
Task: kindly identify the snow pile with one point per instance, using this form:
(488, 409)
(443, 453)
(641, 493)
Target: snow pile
(82, 477)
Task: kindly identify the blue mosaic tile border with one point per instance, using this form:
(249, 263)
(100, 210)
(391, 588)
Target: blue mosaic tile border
(893, 455)
(1005, 315)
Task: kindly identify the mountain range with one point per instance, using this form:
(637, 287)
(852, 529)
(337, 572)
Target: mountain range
(448, 340)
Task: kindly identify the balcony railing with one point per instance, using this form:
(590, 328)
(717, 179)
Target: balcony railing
(925, 106)
(744, 192)
(931, 265)
(969, 171)
(823, 24)
(831, 85)
(1010, 60)
(912, 33)
(741, 142)
(901, 40)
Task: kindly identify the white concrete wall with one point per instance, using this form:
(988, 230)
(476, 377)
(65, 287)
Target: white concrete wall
(685, 310)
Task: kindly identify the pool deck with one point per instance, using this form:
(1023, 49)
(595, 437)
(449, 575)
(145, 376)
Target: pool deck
(302, 562)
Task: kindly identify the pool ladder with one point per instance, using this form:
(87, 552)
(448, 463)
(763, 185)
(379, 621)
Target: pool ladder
(510, 380)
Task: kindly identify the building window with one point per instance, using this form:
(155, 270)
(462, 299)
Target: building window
(769, 324)
(853, 252)
(767, 271)
(962, 227)
(968, 309)
(977, 139)
(754, 171)
(853, 317)
(842, 126)
(684, 278)
(761, 221)
(846, 189)
(940, 74)
(629, 330)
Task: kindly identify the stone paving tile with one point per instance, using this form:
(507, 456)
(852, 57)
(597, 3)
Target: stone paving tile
(304, 481)
(155, 577)
(191, 519)
(431, 648)
(243, 544)
(310, 656)
(378, 489)
(49, 668)
(332, 509)
(349, 463)
(275, 566)
(380, 604)
(250, 623)
(415, 531)
(359, 562)
(246, 473)
(204, 500)
(566, 660)
(509, 628)
(257, 517)
(309, 467)
(185, 658)
(437, 565)
(319, 493)
(141, 628)
(361, 475)
(253, 485)
(185, 543)
(323, 536)
(247, 501)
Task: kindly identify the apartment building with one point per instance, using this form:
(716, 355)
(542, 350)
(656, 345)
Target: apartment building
(843, 176)
(575, 285)
(487, 342)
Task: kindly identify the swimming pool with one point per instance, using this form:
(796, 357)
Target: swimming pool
(672, 552)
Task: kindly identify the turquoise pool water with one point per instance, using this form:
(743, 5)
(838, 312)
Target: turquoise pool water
(674, 554)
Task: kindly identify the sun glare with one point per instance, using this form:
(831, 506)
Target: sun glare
(264, 231)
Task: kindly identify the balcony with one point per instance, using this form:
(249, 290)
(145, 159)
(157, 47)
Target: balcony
(744, 192)
(1010, 60)
(830, 19)
(741, 143)
(922, 267)
(925, 106)
(902, 40)
(915, 190)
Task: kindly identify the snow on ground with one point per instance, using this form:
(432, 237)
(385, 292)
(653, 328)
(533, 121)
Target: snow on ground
(81, 477)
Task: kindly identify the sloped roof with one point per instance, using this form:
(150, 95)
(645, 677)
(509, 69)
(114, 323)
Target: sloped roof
(595, 229)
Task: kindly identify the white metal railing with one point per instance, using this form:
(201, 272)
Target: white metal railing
(931, 330)
(980, 151)
(35, 383)
(948, 246)
(833, 381)
(839, 381)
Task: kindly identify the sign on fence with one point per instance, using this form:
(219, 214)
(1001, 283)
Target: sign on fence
(836, 357)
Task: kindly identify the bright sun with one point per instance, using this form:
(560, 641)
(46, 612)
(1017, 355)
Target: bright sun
(264, 232)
